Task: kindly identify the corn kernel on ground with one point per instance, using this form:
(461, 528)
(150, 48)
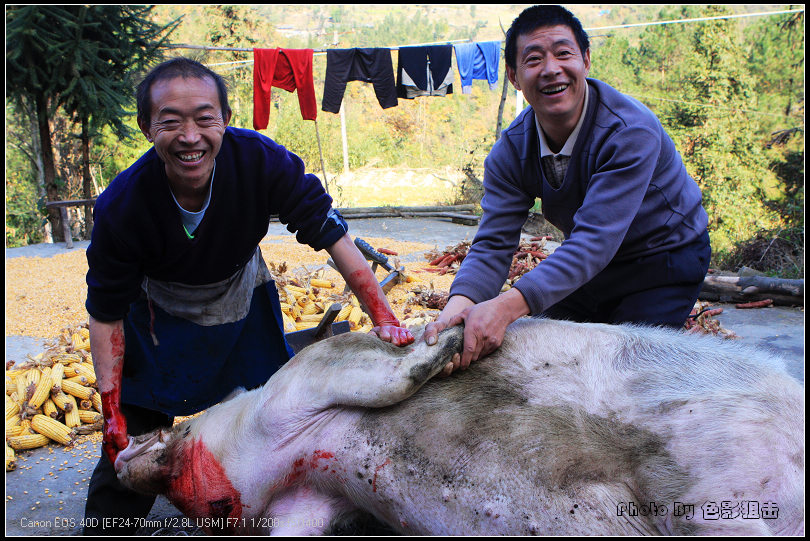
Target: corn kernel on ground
(45, 295)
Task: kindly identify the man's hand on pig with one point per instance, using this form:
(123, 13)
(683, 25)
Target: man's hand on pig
(399, 336)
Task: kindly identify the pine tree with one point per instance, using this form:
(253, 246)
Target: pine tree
(82, 58)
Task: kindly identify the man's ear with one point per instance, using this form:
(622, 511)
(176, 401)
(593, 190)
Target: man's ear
(144, 129)
(510, 72)
(586, 58)
(227, 117)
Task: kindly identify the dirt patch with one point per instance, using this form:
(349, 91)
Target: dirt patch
(369, 187)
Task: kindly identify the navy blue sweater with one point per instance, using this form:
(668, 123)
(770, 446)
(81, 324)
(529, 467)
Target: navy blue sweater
(626, 194)
(138, 230)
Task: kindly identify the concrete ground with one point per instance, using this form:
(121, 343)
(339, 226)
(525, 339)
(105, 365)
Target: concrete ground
(45, 494)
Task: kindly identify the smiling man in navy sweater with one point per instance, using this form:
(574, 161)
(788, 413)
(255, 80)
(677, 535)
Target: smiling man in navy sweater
(182, 307)
(636, 247)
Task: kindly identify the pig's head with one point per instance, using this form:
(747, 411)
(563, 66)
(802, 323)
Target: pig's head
(146, 464)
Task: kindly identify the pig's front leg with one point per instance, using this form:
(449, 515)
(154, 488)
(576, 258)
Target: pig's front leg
(361, 370)
(303, 511)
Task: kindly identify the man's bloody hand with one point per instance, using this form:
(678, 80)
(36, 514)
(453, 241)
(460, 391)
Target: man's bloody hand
(362, 281)
(114, 432)
(399, 336)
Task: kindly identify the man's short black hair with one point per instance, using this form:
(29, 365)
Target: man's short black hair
(538, 17)
(177, 67)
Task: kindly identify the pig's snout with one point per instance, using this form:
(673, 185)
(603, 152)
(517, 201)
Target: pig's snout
(124, 456)
(142, 466)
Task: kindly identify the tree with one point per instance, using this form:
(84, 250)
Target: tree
(111, 45)
(721, 142)
(82, 58)
(35, 73)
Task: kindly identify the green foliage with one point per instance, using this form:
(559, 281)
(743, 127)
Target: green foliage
(701, 81)
(729, 92)
(70, 64)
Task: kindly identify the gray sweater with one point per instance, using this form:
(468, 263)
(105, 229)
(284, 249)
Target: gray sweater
(626, 194)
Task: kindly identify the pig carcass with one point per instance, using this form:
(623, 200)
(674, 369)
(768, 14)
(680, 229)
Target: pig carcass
(566, 429)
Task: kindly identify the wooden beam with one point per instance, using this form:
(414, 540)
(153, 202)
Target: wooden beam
(70, 203)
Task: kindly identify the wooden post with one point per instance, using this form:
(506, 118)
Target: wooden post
(320, 151)
(504, 93)
(66, 227)
(343, 137)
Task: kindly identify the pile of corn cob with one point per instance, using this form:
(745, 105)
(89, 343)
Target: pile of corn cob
(304, 302)
(52, 397)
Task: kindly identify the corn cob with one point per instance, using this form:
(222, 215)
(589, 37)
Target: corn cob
(27, 441)
(12, 421)
(16, 430)
(344, 313)
(318, 282)
(79, 343)
(89, 416)
(365, 328)
(81, 380)
(12, 408)
(10, 459)
(59, 432)
(68, 358)
(86, 370)
(57, 373)
(303, 300)
(86, 404)
(42, 390)
(309, 318)
(354, 316)
(25, 424)
(70, 370)
(22, 382)
(289, 324)
(301, 325)
(96, 399)
(295, 310)
(309, 309)
(33, 376)
(296, 289)
(84, 332)
(49, 409)
(60, 400)
(72, 418)
(77, 390)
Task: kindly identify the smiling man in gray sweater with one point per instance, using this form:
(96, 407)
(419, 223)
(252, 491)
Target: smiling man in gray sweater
(636, 247)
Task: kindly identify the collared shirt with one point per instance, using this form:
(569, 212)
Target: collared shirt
(556, 165)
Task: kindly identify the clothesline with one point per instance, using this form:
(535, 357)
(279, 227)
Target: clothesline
(630, 25)
(316, 51)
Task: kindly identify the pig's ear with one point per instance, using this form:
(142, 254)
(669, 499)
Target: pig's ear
(365, 371)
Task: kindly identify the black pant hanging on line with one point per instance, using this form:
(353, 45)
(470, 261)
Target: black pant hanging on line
(371, 65)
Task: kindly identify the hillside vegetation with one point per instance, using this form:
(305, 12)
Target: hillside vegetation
(729, 91)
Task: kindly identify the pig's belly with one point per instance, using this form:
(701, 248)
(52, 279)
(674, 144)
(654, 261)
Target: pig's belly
(445, 464)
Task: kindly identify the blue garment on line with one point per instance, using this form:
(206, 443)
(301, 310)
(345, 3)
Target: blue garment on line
(478, 60)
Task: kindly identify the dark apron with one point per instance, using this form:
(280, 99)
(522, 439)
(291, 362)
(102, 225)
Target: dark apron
(188, 347)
